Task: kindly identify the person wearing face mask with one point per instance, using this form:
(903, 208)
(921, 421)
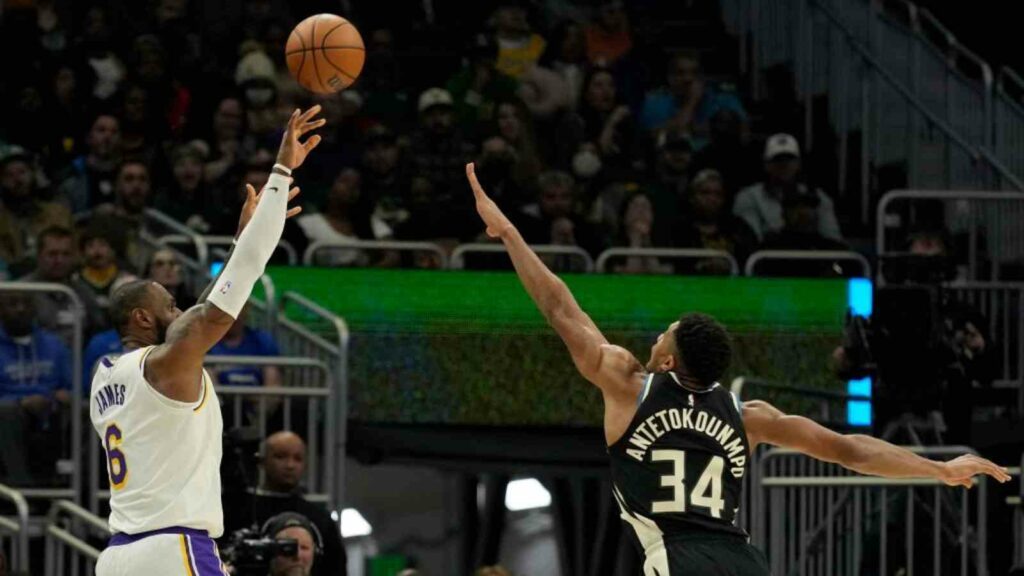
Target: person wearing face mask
(35, 382)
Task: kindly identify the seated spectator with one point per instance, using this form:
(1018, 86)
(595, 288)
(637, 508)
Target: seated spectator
(498, 168)
(292, 526)
(23, 214)
(552, 220)
(55, 263)
(347, 216)
(514, 125)
(381, 176)
(283, 460)
(101, 247)
(439, 152)
(674, 153)
(728, 153)
(609, 38)
(479, 85)
(519, 47)
(638, 230)
(566, 55)
(688, 102)
(760, 205)
(89, 181)
(602, 125)
(165, 269)
(225, 141)
(131, 198)
(188, 198)
(388, 99)
(800, 228)
(708, 224)
(241, 340)
(254, 173)
(102, 344)
(35, 384)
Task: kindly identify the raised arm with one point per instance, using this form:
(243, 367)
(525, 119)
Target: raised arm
(174, 367)
(611, 368)
(864, 454)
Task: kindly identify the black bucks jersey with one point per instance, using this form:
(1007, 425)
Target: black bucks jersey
(679, 467)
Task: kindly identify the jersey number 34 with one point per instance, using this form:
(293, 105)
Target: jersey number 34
(116, 463)
(707, 493)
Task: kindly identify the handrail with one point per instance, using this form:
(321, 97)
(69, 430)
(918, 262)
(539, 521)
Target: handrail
(338, 401)
(19, 559)
(373, 245)
(602, 259)
(289, 361)
(458, 255)
(76, 367)
(823, 255)
(1001, 168)
(1009, 73)
(202, 251)
(219, 240)
(737, 385)
(55, 533)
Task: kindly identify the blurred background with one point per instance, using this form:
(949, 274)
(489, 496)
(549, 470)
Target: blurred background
(840, 182)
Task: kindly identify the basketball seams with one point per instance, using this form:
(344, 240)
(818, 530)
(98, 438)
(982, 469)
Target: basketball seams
(323, 44)
(316, 69)
(325, 48)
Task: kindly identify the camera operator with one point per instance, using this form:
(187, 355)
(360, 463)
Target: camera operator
(292, 526)
(283, 460)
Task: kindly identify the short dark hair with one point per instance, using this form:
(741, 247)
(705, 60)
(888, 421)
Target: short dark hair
(704, 347)
(58, 232)
(125, 299)
(105, 228)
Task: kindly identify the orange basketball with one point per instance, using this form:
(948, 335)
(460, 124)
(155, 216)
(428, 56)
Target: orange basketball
(325, 53)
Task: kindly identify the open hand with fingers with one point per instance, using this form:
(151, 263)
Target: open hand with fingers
(496, 221)
(252, 199)
(293, 151)
(961, 471)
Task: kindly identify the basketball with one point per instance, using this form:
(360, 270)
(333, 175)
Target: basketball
(325, 53)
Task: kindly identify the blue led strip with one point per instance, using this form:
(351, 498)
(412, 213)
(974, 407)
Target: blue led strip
(859, 298)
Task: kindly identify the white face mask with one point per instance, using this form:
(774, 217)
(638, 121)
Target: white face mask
(586, 164)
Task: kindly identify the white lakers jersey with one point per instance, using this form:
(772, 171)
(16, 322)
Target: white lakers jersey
(163, 456)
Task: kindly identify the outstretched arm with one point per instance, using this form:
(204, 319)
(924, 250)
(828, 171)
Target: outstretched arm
(864, 454)
(609, 367)
(174, 368)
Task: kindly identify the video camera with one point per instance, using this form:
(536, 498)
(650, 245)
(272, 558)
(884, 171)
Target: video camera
(251, 553)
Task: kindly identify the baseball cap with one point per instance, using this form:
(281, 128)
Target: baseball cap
(779, 145)
(434, 97)
(14, 152)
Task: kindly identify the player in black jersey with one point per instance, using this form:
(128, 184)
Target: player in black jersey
(678, 441)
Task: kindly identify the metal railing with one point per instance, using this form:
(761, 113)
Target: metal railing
(15, 529)
(73, 467)
(458, 258)
(1008, 120)
(309, 257)
(750, 269)
(214, 242)
(992, 221)
(65, 546)
(817, 518)
(668, 253)
(202, 251)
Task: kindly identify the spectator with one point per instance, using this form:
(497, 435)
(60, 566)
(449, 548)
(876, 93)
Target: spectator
(609, 38)
(23, 215)
(292, 526)
(709, 224)
(339, 147)
(188, 198)
(229, 199)
(440, 153)
(519, 48)
(283, 460)
(131, 198)
(761, 204)
(382, 175)
(514, 126)
(56, 263)
(102, 246)
(388, 100)
(479, 85)
(242, 340)
(100, 345)
(728, 153)
(498, 168)
(566, 54)
(35, 381)
(141, 131)
(89, 180)
(225, 142)
(552, 220)
(800, 229)
(688, 102)
(638, 230)
(602, 126)
(164, 268)
(671, 170)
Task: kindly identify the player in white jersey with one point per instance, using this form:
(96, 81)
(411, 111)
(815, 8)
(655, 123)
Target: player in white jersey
(155, 408)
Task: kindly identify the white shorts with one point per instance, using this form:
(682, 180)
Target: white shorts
(168, 552)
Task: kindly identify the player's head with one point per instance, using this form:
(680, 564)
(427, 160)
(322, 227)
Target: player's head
(696, 347)
(284, 461)
(143, 309)
(293, 526)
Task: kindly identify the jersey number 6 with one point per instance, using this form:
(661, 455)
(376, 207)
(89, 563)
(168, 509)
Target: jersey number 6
(116, 463)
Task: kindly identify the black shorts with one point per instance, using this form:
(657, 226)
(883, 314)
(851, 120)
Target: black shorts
(714, 555)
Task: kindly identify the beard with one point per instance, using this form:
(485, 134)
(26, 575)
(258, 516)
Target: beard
(161, 331)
